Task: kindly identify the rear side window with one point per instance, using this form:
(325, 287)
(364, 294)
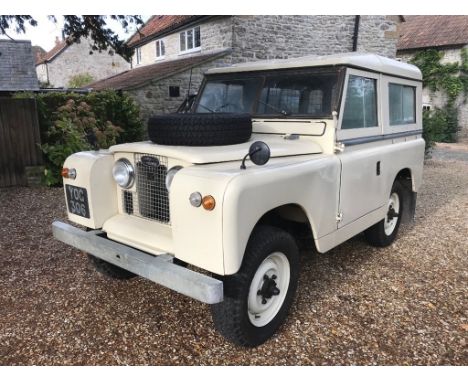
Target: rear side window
(361, 103)
(402, 104)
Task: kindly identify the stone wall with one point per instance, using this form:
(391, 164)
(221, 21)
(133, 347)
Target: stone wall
(262, 37)
(439, 99)
(75, 59)
(154, 98)
(277, 37)
(17, 66)
(215, 34)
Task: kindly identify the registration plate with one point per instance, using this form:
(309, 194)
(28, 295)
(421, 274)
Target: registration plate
(77, 200)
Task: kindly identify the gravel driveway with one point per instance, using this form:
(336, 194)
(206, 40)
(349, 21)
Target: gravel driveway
(406, 304)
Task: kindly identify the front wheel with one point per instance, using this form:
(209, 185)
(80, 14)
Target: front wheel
(384, 232)
(257, 298)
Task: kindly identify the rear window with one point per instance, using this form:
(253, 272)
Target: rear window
(402, 108)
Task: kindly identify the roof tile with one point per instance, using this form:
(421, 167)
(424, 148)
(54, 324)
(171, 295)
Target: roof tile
(433, 31)
(158, 25)
(134, 78)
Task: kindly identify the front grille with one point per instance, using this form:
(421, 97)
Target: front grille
(151, 199)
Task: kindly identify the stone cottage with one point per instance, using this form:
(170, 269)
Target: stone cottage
(447, 34)
(16, 67)
(57, 67)
(172, 52)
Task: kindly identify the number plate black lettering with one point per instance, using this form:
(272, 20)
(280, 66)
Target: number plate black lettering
(77, 201)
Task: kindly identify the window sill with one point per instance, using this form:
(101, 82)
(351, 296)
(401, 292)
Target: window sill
(160, 58)
(190, 51)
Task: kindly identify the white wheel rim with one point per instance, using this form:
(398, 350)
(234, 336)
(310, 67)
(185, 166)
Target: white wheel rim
(260, 313)
(390, 223)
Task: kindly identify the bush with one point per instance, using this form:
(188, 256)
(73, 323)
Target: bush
(440, 125)
(66, 121)
(80, 80)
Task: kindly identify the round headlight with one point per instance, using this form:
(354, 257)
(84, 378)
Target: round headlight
(123, 173)
(170, 176)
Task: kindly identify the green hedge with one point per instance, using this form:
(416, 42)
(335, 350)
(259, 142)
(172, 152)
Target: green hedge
(65, 120)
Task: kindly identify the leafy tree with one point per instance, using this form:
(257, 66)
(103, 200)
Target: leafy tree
(76, 26)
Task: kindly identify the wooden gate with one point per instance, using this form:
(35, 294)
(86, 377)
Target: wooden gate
(19, 140)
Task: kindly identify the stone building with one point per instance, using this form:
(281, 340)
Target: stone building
(192, 44)
(57, 67)
(17, 66)
(447, 34)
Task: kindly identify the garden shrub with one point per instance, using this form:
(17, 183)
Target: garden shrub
(66, 121)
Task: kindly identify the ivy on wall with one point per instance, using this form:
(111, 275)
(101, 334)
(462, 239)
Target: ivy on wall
(451, 79)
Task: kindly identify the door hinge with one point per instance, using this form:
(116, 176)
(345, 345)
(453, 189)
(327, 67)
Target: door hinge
(339, 147)
(339, 217)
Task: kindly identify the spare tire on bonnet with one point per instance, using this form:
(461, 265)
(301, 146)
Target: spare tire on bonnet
(201, 129)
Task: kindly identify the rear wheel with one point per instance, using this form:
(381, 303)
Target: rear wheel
(385, 231)
(257, 298)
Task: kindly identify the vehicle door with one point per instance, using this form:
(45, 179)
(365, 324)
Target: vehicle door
(360, 129)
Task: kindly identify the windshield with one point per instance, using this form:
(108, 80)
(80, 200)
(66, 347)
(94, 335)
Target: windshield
(233, 96)
(311, 93)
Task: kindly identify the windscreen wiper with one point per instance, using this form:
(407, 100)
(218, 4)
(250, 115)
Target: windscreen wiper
(206, 107)
(281, 111)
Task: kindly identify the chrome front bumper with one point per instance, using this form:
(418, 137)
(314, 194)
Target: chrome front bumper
(159, 269)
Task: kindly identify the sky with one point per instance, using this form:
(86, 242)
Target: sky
(46, 31)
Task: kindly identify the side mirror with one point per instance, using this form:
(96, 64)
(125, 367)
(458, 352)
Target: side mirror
(259, 153)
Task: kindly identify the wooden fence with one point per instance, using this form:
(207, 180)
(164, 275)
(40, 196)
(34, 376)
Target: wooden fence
(19, 140)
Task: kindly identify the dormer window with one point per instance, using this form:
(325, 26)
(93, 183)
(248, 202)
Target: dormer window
(160, 49)
(190, 40)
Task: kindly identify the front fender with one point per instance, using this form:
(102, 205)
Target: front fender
(312, 182)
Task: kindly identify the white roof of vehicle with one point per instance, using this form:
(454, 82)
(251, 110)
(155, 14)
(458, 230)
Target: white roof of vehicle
(365, 61)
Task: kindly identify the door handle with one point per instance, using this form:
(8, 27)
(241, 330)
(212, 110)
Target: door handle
(377, 169)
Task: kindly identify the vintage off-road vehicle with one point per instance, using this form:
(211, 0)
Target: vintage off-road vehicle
(271, 152)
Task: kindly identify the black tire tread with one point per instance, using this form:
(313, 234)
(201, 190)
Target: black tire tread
(375, 235)
(203, 129)
(229, 316)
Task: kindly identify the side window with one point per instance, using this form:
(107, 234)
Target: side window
(160, 49)
(138, 55)
(361, 103)
(402, 109)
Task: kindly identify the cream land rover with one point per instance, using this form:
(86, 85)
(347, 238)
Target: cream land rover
(328, 146)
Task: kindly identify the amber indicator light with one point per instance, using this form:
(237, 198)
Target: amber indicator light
(208, 202)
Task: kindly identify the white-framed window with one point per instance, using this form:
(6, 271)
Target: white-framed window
(360, 109)
(138, 55)
(160, 49)
(402, 104)
(190, 40)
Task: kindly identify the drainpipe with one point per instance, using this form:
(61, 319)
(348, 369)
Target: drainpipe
(47, 71)
(357, 19)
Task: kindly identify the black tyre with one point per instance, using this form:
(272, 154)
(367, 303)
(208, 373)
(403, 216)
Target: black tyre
(385, 231)
(258, 297)
(210, 129)
(109, 270)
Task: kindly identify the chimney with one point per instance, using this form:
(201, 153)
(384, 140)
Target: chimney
(57, 40)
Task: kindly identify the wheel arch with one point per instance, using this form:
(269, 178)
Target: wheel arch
(291, 217)
(406, 179)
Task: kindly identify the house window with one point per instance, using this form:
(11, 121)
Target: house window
(160, 49)
(138, 55)
(361, 103)
(190, 40)
(402, 104)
